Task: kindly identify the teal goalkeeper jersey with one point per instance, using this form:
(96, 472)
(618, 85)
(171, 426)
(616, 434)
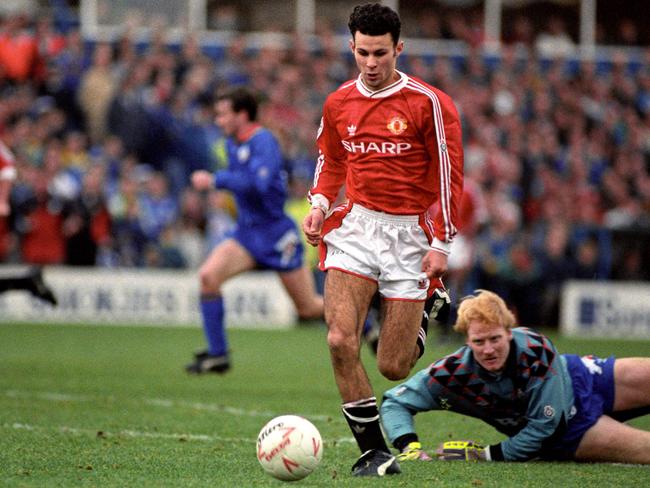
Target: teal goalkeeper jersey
(530, 401)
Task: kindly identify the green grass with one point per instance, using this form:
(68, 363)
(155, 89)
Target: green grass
(112, 406)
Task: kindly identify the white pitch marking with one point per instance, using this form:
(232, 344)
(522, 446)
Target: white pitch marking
(123, 433)
(211, 407)
(157, 402)
(138, 434)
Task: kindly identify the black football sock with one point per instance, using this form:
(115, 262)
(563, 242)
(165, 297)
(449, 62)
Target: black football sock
(363, 418)
(424, 325)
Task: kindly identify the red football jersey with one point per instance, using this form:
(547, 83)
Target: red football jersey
(397, 150)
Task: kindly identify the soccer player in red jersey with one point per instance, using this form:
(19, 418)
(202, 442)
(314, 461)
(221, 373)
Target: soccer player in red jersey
(33, 280)
(395, 143)
(7, 176)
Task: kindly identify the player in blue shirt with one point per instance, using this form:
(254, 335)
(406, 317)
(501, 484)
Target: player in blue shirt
(551, 406)
(265, 237)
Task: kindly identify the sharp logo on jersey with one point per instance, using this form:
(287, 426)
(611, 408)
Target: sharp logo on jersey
(376, 147)
(397, 125)
(352, 129)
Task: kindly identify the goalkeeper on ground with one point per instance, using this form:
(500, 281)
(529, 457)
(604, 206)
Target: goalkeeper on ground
(551, 406)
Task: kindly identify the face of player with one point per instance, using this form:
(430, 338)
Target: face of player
(376, 57)
(490, 344)
(227, 120)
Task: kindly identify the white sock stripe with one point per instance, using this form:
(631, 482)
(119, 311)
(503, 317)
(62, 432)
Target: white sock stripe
(361, 420)
(365, 402)
(422, 334)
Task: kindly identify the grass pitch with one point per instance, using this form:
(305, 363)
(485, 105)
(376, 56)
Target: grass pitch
(112, 406)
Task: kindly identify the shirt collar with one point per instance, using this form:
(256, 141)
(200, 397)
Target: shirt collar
(383, 92)
(246, 134)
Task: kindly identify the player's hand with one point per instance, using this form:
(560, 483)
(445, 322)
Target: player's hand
(312, 226)
(202, 180)
(413, 452)
(461, 451)
(441, 305)
(5, 209)
(434, 264)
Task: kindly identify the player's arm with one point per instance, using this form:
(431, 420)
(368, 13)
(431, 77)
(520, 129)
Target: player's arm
(329, 177)
(5, 190)
(444, 144)
(545, 417)
(331, 167)
(264, 167)
(401, 403)
(7, 177)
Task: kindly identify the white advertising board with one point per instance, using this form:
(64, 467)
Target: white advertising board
(127, 296)
(606, 309)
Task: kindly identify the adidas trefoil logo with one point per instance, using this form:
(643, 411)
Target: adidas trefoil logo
(352, 129)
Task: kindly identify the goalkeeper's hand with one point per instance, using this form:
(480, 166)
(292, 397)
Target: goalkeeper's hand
(413, 452)
(461, 451)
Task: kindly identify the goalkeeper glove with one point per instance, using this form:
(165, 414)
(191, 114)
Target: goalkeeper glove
(413, 452)
(441, 305)
(461, 451)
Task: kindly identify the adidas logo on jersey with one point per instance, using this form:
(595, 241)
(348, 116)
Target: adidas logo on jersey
(376, 147)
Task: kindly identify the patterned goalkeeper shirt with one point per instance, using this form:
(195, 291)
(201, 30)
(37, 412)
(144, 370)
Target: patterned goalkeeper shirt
(530, 401)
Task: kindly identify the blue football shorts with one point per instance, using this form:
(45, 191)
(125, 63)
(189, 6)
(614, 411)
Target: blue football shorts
(593, 392)
(275, 245)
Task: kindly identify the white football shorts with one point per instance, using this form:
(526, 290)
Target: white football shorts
(381, 247)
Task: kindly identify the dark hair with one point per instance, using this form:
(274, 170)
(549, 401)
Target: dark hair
(241, 100)
(374, 19)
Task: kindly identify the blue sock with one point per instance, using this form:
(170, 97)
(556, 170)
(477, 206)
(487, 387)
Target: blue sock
(213, 326)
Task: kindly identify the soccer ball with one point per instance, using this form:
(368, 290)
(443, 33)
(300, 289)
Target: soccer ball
(289, 447)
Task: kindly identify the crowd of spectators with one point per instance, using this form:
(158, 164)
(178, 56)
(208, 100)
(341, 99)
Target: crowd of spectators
(106, 135)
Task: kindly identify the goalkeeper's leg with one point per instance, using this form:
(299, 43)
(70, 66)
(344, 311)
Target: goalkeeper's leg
(611, 441)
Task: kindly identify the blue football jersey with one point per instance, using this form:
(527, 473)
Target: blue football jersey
(256, 177)
(258, 181)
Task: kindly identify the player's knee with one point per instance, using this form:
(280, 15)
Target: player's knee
(208, 281)
(312, 309)
(342, 345)
(393, 369)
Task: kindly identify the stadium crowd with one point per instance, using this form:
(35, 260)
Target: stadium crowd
(557, 153)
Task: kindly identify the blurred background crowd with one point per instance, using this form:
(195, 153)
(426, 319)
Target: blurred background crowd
(106, 133)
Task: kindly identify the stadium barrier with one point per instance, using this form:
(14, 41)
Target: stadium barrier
(149, 297)
(606, 309)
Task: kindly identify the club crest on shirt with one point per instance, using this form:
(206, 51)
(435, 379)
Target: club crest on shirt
(397, 125)
(243, 153)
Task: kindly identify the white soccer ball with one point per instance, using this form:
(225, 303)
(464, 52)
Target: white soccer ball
(289, 447)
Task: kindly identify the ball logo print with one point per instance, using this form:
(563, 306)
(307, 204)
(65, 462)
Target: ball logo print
(289, 447)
